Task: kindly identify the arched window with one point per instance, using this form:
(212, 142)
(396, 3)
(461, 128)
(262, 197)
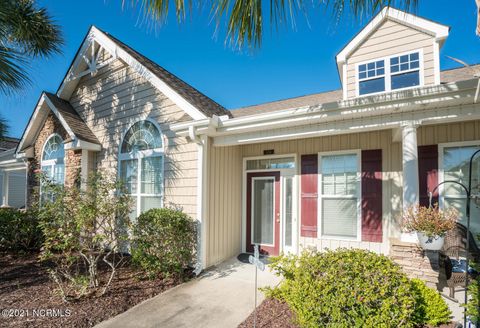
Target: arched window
(141, 166)
(52, 163)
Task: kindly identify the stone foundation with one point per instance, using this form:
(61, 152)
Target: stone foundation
(417, 262)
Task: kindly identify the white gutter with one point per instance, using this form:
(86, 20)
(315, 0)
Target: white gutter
(389, 103)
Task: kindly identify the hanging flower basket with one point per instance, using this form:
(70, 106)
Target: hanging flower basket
(431, 243)
(430, 223)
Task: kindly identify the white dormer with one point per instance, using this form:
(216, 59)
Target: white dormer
(395, 51)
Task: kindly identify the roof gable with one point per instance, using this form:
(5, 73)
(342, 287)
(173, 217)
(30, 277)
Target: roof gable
(69, 119)
(189, 99)
(438, 31)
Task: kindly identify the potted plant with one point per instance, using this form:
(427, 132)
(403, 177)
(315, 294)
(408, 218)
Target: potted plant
(430, 223)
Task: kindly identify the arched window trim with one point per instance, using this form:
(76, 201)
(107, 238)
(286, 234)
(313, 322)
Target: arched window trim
(139, 155)
(52, 162)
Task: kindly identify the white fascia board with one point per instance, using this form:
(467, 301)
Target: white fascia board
(82, 144)
(439, 31)
(413, 99)
(30, 123)
(442, 115)
(372, 105)
(116, 51)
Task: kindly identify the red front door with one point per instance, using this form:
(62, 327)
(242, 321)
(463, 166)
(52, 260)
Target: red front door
(263, 212)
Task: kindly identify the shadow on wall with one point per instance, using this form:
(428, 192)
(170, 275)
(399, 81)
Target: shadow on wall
(116, 98)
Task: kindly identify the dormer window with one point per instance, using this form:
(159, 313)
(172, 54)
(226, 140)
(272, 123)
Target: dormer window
(390, 73)
(371, 77)
(405, 71)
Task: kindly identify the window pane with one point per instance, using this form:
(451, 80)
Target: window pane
(461, 205)
(414, 64)
(362, 68)
(404, 59)
(456, 166)
(394, 61)
(405, 80)
(142, 135)
(128, 174)
(152, 175)
(149, 202)
(371, 65)
(414, 56)
(271, 163)
(362, 75)
(339, 217)
(339, 175)
(263, 211)
(133, 214)
(54, 149)
(288, 211)
(372, 86)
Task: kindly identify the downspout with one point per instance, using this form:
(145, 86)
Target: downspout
(201, 194)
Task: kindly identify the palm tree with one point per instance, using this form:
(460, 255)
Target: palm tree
(245, 18)
(26, 32)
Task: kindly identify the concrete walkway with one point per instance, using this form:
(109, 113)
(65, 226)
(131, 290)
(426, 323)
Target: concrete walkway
(221, 297)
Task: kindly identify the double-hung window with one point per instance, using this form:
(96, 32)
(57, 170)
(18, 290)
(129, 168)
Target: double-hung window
(405, 71)
(141, 166)
(455, 164)
(390, 73)
(371, 77)
(339, 195)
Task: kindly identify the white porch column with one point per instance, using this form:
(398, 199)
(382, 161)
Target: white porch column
(410, 170)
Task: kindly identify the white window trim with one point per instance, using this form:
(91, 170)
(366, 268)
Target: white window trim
(320, 235)
(388, 74)
(52, 162)
(139, 156)
(284, 171)
(441, 169)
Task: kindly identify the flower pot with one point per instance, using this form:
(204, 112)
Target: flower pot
(434, 243)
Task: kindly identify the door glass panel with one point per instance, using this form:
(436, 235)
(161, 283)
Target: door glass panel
(263, 211)
(288, 212)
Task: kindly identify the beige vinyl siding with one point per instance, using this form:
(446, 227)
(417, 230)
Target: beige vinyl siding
(392, 177)
(389, 39)
(115, 98)
(224, 206)
(445, 133)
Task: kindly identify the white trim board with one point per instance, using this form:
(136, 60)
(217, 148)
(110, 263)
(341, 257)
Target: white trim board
(439, 31)
(95, 35)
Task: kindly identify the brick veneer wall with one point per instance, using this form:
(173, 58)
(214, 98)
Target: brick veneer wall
(72, 158)
(418, 263)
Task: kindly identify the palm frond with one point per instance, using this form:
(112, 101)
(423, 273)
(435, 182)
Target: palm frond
(3, 128)
(245, 21)
(26, 32)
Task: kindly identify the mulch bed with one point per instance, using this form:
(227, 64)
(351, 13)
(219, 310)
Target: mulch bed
(25, 285)
(273, 313)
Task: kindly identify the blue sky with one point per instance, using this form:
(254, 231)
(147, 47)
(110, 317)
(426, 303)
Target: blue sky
(290, 63)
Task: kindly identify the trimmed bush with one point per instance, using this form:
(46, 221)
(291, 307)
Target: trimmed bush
(19, 230)
(430, 307)
(163, 242)
(345, 288)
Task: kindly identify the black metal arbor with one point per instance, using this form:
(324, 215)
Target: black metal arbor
(468, 192)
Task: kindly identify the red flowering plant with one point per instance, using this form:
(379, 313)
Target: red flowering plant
(432, 221)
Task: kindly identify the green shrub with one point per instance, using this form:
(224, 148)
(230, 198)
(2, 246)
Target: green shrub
(345, 288)
(19, 230)
(430, 307)
(163, 242)
(84, 229)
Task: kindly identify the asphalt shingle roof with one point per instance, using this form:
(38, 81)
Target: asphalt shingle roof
(203, 103)
(447, 76)
(7, 143)
(73, 120)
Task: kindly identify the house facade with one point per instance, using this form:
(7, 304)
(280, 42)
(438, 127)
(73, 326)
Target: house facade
(13, 175)
(327, 170)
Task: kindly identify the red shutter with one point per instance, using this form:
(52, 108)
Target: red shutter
(372, 195)
(427, 173)
(309, 195)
